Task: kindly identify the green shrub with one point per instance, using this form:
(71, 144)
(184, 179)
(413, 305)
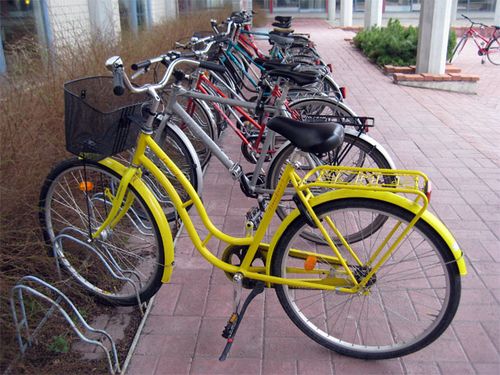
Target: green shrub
(394, 44)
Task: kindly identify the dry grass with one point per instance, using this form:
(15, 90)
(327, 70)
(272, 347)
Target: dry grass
(32, 140)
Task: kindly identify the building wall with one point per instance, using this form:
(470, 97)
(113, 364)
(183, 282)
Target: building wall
(162, 10)
(70, 23)
(74, 22)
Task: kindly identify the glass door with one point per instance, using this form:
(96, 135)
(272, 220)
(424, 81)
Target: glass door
(286, 5)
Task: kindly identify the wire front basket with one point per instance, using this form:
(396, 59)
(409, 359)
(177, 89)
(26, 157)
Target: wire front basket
(99, 124)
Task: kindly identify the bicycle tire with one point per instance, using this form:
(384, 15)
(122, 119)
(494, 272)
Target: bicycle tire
(408, 304)
(204, 118)
(135, 243)
(458, 48)
(495, 44)
(358, 155)
(182, 156)
(331, 88)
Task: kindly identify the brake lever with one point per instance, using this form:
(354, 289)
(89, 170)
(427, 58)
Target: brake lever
(138, 73)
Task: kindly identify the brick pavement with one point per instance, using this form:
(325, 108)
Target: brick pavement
(452, 137)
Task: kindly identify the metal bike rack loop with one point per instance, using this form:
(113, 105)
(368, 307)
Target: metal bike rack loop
(21, 287)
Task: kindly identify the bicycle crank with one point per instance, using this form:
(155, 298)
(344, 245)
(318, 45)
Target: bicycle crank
(234, 255)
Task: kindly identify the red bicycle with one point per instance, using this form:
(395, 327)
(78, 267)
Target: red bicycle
(489, 47)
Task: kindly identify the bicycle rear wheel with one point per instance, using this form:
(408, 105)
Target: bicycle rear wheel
(358, 153)
(176, 144)
(200, 113)
(75, 200)
(407, 303)
(493, 52)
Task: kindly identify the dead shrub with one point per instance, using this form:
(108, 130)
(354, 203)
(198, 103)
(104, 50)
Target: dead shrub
(32, 140)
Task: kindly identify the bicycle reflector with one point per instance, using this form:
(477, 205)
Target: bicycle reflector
(428, 190)
(330, 67)
(310, 262)
(343, 91)
(86, 186)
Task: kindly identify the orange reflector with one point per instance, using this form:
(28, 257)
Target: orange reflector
(86, 186)
(310, 262)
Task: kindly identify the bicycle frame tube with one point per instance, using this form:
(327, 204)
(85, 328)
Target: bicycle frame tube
(253, 242)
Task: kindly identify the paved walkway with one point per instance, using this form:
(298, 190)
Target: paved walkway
(453, 137)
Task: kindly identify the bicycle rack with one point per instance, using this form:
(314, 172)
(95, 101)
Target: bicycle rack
(17, 291)
(104, 256)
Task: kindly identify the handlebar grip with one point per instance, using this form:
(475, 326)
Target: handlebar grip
(188, 55)
(118, 86)
(212, 66)
(142, 64)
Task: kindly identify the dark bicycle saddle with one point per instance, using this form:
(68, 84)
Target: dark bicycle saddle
(284, 25)
(300, 78)
(283, 18)
(270, 64)
(281, 40)
(316, 138)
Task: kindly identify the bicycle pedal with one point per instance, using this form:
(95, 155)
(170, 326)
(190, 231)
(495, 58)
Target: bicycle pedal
(228, 329)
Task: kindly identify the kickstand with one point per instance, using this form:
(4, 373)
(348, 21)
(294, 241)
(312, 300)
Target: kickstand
(236, 318)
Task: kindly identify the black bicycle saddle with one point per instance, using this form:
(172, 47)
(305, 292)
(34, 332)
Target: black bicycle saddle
(300, 78)
(311, 137)
(283, 18)
(281, 40)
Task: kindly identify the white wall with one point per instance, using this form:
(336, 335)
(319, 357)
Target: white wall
(162, 10)
(69, 21)
(74, 21)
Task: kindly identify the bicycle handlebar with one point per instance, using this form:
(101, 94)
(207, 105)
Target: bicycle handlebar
(473, 22)
(118, 87)
(121, 80)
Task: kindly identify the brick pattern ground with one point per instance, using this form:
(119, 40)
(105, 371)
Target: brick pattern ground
(452, 137)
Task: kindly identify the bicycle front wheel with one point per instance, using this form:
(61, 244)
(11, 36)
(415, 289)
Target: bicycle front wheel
(458, 48)
(75, 200)
(493, 52)
(406, 304)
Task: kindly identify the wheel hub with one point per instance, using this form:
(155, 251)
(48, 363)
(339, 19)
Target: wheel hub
(360, 272)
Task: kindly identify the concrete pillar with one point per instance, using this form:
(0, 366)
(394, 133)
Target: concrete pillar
(373, 13)
(433, 32)
(496, 21)
(332, 4)
(454, 10)
(346, 12)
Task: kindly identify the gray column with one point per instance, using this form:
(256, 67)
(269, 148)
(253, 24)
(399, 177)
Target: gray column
(332, 4)
(3, 65)
(373, 13)
(454, 9)
(346, 12)
(497, 14)
(433, 32)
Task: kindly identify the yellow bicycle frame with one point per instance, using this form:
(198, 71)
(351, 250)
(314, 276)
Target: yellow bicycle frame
(324, 177)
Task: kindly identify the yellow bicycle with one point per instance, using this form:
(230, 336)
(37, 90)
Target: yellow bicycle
(368, 290)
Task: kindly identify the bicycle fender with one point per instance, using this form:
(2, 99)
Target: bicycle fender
(365, 137)
(398, 200)
(158, 214)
